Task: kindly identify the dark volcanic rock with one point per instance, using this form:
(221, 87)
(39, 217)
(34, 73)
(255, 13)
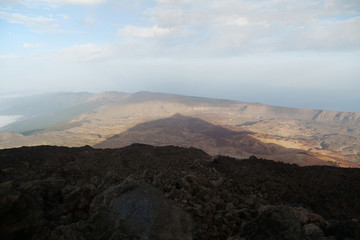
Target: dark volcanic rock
(145, 192)
(20, 213)
(343, 229)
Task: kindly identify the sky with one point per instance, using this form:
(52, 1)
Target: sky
(295, 53)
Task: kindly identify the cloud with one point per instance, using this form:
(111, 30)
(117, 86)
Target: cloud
(63, 16)
(326, 35)
(175, 3)
(31, 45)
(88, 21)
(8, 56)
(78, 1)
(35, 23)
(32, 3)
(274, 25)
(233, 21)
(86, 53)
(71, 2)
(153, 32)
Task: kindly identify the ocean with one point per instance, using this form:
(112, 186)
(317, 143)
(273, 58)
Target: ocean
(7, 119)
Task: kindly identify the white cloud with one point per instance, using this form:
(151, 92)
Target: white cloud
(80, 1)
(175, 3)
(234, 21)
(63, 16)
(34, 3)
(86, 53)
(154, 31)
(36, 23)
(88, 21)
(71, 2)
(31, 45)
(236, 26)
(8, 56)
(326, 35)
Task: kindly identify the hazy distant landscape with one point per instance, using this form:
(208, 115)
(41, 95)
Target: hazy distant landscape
(219, 127)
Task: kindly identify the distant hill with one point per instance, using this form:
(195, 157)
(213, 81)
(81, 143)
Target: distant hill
(77, 119)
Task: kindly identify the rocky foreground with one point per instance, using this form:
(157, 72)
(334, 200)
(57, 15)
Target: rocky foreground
(146, 192)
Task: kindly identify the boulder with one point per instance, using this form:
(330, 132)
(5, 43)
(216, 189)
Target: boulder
(283, 222)
(312, 231)
(137, 211)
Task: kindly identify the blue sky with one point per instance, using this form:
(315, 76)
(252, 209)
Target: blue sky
(297, 53)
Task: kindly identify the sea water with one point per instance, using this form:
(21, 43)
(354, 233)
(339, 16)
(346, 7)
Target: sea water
(7, 119)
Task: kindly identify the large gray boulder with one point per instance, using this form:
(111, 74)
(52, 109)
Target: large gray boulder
(137, 211)
(284, 222)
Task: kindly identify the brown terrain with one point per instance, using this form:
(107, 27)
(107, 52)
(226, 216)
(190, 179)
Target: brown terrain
(305, 137)
(147, 192)
(215, 140)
